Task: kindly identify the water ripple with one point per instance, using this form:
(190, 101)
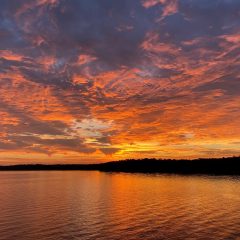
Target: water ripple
(92, 205)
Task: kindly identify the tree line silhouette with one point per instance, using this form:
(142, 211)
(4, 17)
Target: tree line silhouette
(214, 166)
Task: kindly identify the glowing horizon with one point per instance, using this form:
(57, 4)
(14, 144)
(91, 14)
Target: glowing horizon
(92, 81)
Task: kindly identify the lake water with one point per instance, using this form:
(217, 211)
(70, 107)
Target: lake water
(94, 205)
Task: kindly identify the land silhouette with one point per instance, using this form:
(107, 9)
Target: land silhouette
(212, 166)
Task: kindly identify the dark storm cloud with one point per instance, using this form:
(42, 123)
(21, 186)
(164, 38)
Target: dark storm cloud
(10, 65)
(10, 34)
(199, 19)
(43, 145)
(49, 78)
(211, 17)
(229, 84)
(109, 151)
(110, 30)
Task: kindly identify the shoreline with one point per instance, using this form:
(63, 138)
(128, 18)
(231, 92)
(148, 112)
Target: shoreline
(214, 166)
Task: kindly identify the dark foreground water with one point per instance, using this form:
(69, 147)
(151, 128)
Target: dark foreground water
(94, 205)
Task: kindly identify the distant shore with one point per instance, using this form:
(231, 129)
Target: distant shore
(213, 166)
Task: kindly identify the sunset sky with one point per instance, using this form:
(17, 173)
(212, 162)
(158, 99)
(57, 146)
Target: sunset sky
(98, 80)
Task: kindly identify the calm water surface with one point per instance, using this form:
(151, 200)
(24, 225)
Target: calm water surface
(94, 205)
